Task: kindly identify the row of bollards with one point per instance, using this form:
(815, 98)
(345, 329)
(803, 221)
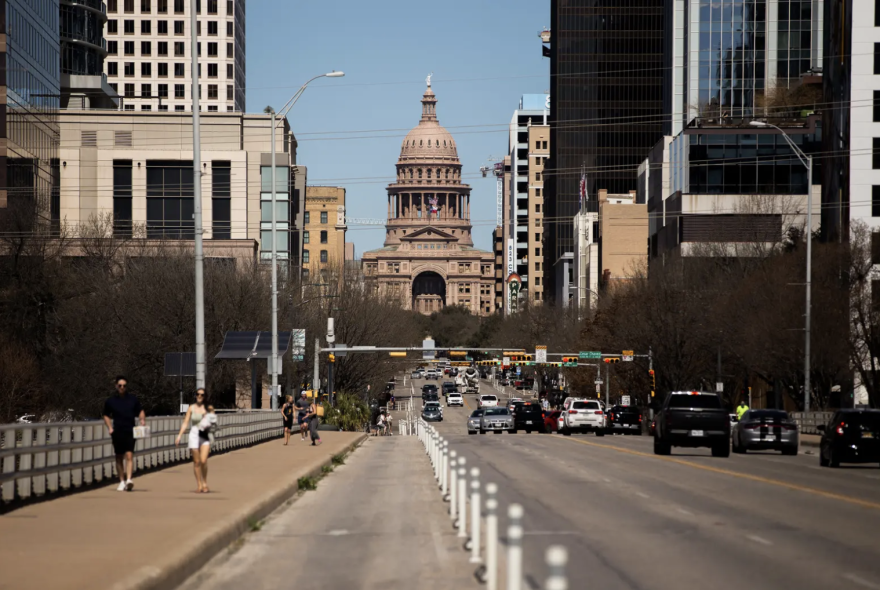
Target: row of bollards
(450, 471)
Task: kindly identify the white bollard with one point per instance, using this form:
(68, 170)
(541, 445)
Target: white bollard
(475, 515)
(462, 498)
(444, 471)
(514, 547)
(556, 559)
(434, 446)
(453, 491)
(491, 537)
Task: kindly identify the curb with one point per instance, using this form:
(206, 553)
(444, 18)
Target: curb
(195, 553)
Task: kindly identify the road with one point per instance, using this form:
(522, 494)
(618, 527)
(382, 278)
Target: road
(633, 520)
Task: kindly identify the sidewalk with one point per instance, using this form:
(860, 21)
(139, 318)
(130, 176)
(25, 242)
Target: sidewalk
(376, 523)
(160, 533)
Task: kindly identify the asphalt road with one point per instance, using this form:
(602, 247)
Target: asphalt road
(632, 520)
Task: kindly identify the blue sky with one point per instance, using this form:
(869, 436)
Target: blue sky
(484, 54)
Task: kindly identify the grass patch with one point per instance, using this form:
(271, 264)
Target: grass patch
(307, 483)
(326, 469)
(255, 524)
(339, 458)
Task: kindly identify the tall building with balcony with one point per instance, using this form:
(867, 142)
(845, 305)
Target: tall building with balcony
(529, 146)
(29, 134)
(83, 48)
(149, 54)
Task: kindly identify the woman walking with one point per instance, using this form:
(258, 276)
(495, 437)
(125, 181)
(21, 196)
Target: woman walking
(198, 443)
(313, 423)
(287, 417)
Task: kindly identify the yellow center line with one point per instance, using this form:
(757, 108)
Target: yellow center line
(747, 476)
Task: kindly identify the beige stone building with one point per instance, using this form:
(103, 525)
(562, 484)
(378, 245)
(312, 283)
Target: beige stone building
(623, 237)
(323, 229)
(429, 260)
(135, 168)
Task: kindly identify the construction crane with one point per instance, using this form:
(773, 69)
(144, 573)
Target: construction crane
(497, 169)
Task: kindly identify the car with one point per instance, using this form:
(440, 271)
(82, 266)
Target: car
(488, 400)
(624, 420)
(528, 416)
(473, 421)
(447, 387)
(432, 412)
(432, 374)
(583, 415)
(415, 375)
(454, 399)
(512, 401)
(552, 420)
(852, 436)
(497, 420)
(765, 429)
(692, 419)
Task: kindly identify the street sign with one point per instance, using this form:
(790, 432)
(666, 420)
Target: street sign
(599, 388)
(628, 352)
(624, 400)
(428, 343)
(540, 354)
(589, 354)
(341, 353)
(298, 350)
(719, 387)
(598, 381)
(627, 358)
(506, 361)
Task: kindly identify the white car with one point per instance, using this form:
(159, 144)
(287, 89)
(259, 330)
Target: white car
(453, 398)
(488, 401)
(582, 415)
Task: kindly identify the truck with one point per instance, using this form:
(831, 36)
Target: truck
(692, 419)
(472, 380)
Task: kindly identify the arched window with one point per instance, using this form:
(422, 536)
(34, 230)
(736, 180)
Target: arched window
(438, 173)
(420, 142)
(438, 143)
(420, 172)
(410, 173)
(429, 173)
(447, 174)
(444, 143)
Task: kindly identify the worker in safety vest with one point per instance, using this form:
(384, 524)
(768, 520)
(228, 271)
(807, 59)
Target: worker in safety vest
(741, 409)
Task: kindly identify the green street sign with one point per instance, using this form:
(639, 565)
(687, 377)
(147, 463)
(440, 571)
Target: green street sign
(589, 354)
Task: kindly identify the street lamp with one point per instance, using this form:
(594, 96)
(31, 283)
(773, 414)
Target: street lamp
(807, 161)
(274, 358)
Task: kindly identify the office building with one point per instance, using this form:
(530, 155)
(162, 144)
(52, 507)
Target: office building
(31, 85)
(429, 260)
(529, 148)
(606, 107)
(149, 54)
(323, 236)
(623, 238)
(83, 47)
(135, 170)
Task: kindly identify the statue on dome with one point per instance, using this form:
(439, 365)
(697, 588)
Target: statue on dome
(428, 79)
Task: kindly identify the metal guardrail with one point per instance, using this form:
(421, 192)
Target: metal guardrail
(47, 458)
(808, 421)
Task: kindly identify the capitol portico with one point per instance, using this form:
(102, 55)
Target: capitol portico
(428, 261)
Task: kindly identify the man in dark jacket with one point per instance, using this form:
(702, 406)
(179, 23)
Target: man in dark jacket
(123, 409)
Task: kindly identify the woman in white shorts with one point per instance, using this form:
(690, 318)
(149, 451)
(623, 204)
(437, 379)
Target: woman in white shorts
(199, 444)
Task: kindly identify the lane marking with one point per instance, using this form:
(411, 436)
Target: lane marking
(606, 480)
(861, 581)
(683, 511)
(746, 476)
(642, 495)
(758, 539)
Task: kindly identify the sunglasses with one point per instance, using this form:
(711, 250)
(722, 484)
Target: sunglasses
(200, 395)
(120, 386)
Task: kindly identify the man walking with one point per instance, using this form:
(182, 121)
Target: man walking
(123, 408)
(741, 409)
(302, 410)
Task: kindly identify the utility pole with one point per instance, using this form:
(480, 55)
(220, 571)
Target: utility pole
(201, 364)
(331, 338)
(273, 364)
(316, 382)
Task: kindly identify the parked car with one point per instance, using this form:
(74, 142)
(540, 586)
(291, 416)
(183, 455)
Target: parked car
(432, 412)
(692, 419)
(624, 420)
(528, 416)
(473, 421)
(454, 399)
(583, 415)
(766, 429)
(852, 436)
(552, 420)
(489, 400)
(497, 420)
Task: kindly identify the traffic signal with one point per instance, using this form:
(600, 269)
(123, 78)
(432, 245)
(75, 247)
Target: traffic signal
(612, 360)
(653, 381)
(332, 358)
(569, 361)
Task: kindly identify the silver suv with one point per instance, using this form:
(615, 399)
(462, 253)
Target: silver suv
(497, 420)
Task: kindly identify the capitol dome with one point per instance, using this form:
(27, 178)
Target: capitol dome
(428, 141)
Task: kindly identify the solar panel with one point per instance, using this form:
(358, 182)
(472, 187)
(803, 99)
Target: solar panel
(249, 345)
(180, 364)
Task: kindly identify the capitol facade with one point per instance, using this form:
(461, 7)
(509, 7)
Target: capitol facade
(429, 260)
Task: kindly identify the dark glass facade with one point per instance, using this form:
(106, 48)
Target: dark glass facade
(30, 72)
(606, 79)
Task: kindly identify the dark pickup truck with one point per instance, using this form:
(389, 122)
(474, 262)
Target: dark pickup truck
(692, 419)
(624, 419)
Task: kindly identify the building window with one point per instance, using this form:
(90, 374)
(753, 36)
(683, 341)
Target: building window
(146, 48)
(877, 13)
(323, 236)
(178, 6)
(128, 47)
(128, 68)
(162, 6)
(129, 93)
(877, 103)
(179, 70)
(128, 5)
(179, 107)
(875, 153)
(178, 27)
(221, 193)
(212, 108)
(875, 201)
(324, 256)
(179, 48)
(212, 70)
(170, 199)
(305, 237)
(122, 209)
(146, 107)
(229, 52)
(145, 27)
(145, 7)
(162, 27)
(212, 91)
(146, 69)
(128, 27)
(306, 217)
(112, 68)
(229, 32)
(305, 257)
(229, 92)
(112, 47)
(180, 91)
(875, 248)
(162, 90)
(112, 6)
(212, 6)
(212, 28)
(146, 91)
(229, 71)
(112, 27)
(876, 58)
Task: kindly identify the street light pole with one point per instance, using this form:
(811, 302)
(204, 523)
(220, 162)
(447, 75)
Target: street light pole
(201, 362)
(807, 161)
(273, 365)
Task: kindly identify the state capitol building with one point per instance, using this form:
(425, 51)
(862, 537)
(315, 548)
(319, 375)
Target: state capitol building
(429, 260)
